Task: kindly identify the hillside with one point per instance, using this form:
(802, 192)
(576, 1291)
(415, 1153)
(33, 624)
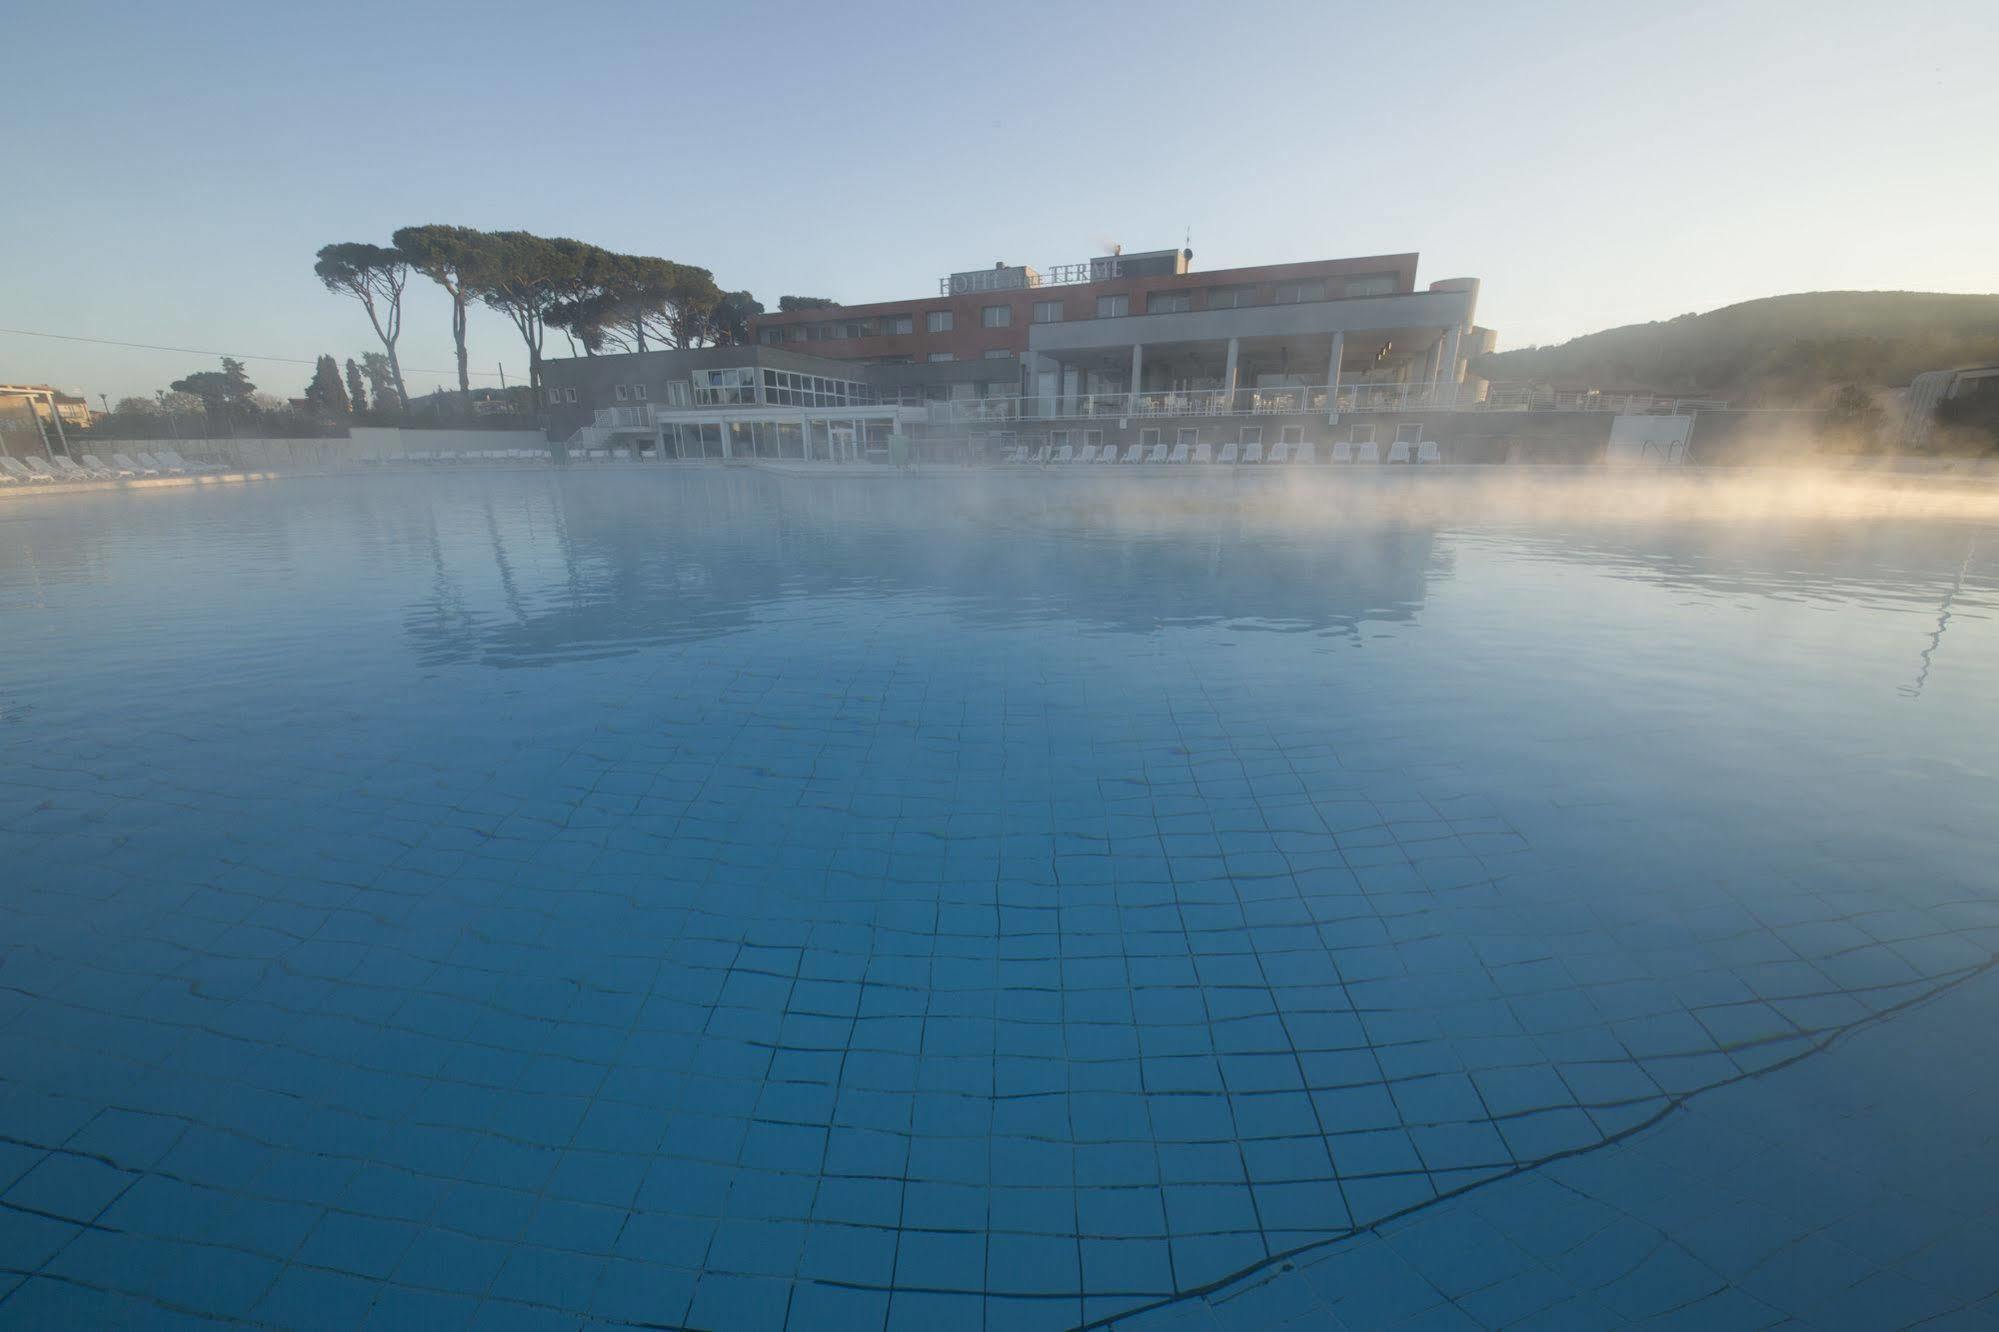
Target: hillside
(1775, 352)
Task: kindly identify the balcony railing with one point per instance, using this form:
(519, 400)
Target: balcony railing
(1302, 400)
(1203, 402)
(1292, 401)
(637, 417)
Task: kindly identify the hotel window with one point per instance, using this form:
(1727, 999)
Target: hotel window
(1113, 307)
(1187, 435)
(1059, 438)
(1048, 312)
(940, 356)
(795, 390)
(1409, 432)
(1291, 434)
(676, 393)
(569, 395)
(623, 393)
(996, 316)
(1093, 438)
(1292, 293)
(1250, 435)
(899, 323)
(1148, 436)
(937, 321)
(1230, 298)
(1169, 302)
(639, 392)
(997, 353)
(555, 397)
(713, 388)
(770, 336)
(1371, 284)
(1360, 434)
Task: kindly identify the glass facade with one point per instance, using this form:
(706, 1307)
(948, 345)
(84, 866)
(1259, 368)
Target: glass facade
(795, 390)
(725, 388)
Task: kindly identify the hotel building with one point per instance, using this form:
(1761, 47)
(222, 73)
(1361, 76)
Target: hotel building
(1121, 349)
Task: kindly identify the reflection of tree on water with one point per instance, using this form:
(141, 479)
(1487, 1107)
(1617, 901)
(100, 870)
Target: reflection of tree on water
(624, 562)
(1915, 688)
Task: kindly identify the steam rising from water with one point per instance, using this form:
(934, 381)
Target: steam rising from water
(1495, 496)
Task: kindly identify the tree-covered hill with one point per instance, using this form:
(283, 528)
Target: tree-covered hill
(1778, 351)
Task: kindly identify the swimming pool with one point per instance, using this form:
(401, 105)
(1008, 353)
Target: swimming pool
(707, 898)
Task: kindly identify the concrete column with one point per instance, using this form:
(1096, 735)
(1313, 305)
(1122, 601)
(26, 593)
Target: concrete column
(1450, 367)
(1333, 376)
(1432, 361)
(55, 414)
(1229, 374)
(1137, 367)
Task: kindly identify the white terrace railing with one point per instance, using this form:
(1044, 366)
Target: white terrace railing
(639, 416)
(1302, 400)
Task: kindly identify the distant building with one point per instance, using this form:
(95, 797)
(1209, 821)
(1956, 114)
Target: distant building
(1932, 389)
(31, 413)
(72, 408)
(484, 402)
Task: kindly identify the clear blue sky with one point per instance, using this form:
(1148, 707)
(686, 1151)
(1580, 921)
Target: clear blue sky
(172, 168)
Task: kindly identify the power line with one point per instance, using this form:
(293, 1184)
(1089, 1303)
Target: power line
(234, 356)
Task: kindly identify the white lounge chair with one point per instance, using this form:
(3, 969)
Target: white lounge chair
(1253, 452)
(1179, 454)
(621, 455)
(1136, 453)
(40, 470)
(154, 460)
(1343, 451)
(1231, 452)
(1367, 453)
(1041, 455)
(1063, 455)
(67, 469)
(1428, 452)
(1108, 455)
(1087, 455)
(141, 468)
(172, 458)
(1202, 454)
(13, 468)
(1398, 452)
(1280, 452)
(1305, 453)
(1158, 454)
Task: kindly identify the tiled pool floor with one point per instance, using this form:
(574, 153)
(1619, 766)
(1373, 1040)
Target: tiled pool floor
(720, 901)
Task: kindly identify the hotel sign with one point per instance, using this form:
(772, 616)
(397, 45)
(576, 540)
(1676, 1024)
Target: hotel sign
(1021, 277)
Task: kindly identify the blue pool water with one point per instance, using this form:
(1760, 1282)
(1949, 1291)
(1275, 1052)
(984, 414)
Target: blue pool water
(723, 900)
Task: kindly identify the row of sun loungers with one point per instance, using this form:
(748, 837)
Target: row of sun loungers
(469, 456)
(503, 456)
(1231, 453)
(89, 467)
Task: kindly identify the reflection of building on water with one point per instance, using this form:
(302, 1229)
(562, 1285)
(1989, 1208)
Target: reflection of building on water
(534, 573)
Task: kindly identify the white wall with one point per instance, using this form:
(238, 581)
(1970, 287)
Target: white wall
(361, 444)
(1649, 439)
